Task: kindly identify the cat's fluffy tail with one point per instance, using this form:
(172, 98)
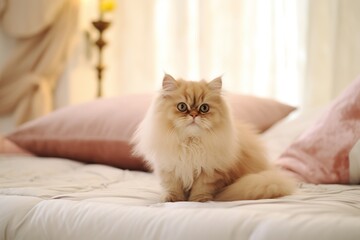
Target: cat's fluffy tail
(261, 185)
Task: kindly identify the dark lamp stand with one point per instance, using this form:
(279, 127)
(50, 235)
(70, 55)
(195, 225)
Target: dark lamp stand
(101, 26)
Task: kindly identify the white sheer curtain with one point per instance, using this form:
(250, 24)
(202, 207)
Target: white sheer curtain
(297, 51)
(258, 45)
(333, 59)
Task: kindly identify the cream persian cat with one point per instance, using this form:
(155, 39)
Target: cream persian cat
(192, 143)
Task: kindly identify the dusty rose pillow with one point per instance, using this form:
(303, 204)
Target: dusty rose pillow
(100, 131)
(8, 147)
(261, 112)
(321, 154)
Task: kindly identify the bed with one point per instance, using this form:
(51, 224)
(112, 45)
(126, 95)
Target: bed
(61, 194)
(61, 199)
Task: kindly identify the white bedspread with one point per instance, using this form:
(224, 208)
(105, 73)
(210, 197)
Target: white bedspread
(49, 198)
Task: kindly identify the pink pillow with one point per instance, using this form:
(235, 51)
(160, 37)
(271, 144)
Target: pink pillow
(261, 112)
(8, 147)
(100, 131)
(321, 154)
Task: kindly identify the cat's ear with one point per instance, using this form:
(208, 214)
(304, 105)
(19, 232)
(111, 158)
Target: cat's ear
(215, 84)
(169, 83)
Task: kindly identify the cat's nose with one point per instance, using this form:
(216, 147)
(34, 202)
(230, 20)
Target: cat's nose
(193, 113)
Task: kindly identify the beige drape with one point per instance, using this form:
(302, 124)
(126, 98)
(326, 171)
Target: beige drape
(43, 33)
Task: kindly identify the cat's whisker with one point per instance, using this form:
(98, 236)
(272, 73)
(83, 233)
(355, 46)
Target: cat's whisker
(207, 125)
(171, 131)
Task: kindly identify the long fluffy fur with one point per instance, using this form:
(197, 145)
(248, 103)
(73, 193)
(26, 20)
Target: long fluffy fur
(207, 157)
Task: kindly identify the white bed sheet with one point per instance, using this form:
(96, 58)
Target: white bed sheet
(49, 198)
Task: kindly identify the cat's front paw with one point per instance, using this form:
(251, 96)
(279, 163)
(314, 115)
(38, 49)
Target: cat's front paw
(173, 197)
(201, 198)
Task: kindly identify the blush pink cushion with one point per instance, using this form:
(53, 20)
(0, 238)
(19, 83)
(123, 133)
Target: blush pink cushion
(321, 154)
(261, 112)
(100, 131)
(8, 147)
(93, 132)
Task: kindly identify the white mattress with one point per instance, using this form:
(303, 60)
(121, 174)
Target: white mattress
(49, 198)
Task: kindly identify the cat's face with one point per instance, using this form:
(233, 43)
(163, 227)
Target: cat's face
(191, 107)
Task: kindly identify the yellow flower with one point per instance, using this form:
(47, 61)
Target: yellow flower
(107, 5)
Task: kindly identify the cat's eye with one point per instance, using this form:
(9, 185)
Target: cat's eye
(204, 108)
(182, 107)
